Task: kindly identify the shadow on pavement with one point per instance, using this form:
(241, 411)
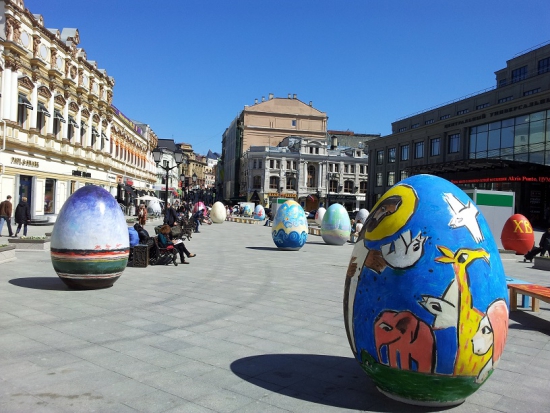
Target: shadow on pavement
(325, 380)
(529, 321)
(40, 283)
(264, 248)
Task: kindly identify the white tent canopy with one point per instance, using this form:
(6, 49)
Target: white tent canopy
(149, 198)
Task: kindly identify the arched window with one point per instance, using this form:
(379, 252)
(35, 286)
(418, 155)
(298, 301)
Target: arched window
(274, 183)
(257, 182)
(348, 186)
(311, 176)
(291, 183)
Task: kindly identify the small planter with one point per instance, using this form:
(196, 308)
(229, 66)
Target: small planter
(7, 254)
(30, 244)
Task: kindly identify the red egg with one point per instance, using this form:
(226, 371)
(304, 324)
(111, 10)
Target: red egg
(517, 234)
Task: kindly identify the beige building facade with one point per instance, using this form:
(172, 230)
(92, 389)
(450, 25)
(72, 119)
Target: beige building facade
(266, 123)
(59, 128)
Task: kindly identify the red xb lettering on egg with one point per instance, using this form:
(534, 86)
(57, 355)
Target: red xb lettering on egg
(526, 229)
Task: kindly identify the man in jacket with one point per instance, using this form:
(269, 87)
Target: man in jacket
(6, 209)
(170, 215)
(22, 216)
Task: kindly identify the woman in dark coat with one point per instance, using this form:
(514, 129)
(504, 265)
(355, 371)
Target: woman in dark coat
(22, 216)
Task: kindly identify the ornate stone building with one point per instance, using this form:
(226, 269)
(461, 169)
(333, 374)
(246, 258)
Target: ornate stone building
(59, 128)
(266, 123)
(309, 171)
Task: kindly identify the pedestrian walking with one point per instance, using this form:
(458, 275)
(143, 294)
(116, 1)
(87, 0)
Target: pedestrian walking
(22, 216)
(544, 243)
(6, 209)
(142, 215)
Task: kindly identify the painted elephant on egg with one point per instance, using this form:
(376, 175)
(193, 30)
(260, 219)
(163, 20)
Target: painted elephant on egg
(406, 338)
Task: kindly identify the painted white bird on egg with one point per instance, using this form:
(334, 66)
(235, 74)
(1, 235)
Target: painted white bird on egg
(464, 216)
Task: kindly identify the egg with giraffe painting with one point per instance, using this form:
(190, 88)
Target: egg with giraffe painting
(425, 298)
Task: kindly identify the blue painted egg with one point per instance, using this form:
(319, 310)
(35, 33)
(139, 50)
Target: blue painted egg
(336, 226)
(259, 212)
(90, 243)
(425, 301)
(290, 226)
(247, 210)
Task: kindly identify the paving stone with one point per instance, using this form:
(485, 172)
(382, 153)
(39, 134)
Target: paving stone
(240, 329)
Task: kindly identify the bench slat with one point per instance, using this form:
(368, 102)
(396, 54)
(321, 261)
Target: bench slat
(536, 292)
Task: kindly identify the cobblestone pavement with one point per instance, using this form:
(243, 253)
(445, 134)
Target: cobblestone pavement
(245, 327)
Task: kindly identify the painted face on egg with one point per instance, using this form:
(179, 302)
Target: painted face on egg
(425, 300)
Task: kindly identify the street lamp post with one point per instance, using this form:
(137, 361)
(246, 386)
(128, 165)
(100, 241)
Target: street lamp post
(182, 179)
(194, 179)
(157, 156)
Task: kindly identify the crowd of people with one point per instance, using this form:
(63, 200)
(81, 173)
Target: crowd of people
(169, 234)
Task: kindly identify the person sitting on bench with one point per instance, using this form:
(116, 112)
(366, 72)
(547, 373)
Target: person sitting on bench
(164, 242)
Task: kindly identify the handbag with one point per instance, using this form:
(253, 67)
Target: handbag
(170, 247)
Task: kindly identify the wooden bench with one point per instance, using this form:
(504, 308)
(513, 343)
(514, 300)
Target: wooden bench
(536, 292)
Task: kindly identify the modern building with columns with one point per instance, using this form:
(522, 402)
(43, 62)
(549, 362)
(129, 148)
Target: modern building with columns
(58, 126)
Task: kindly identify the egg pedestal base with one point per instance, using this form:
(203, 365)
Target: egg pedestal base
(89, 284)
(421, 403)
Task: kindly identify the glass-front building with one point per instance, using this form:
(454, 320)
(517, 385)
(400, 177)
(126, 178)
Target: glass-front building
(523, 138)
(498, 139)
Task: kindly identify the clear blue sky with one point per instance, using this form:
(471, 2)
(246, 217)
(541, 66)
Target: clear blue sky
(187, 68)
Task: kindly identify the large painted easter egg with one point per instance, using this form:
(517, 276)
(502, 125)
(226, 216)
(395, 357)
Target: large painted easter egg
(199, 205)
(218, 213)
(259, 212)
(90, 243)
(290, 226)
(247, 210)
(517, 234)
(362, 215)
(336, 226)
(425, 301)
(319, 215)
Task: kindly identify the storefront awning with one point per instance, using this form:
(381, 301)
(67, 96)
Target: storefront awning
(73, 122)
(25, 102)
(42, 108)
(57, 115)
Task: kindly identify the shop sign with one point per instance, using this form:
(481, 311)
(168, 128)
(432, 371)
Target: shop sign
(542, 179)
(24, 162)
(82, 174)
(111, 177)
